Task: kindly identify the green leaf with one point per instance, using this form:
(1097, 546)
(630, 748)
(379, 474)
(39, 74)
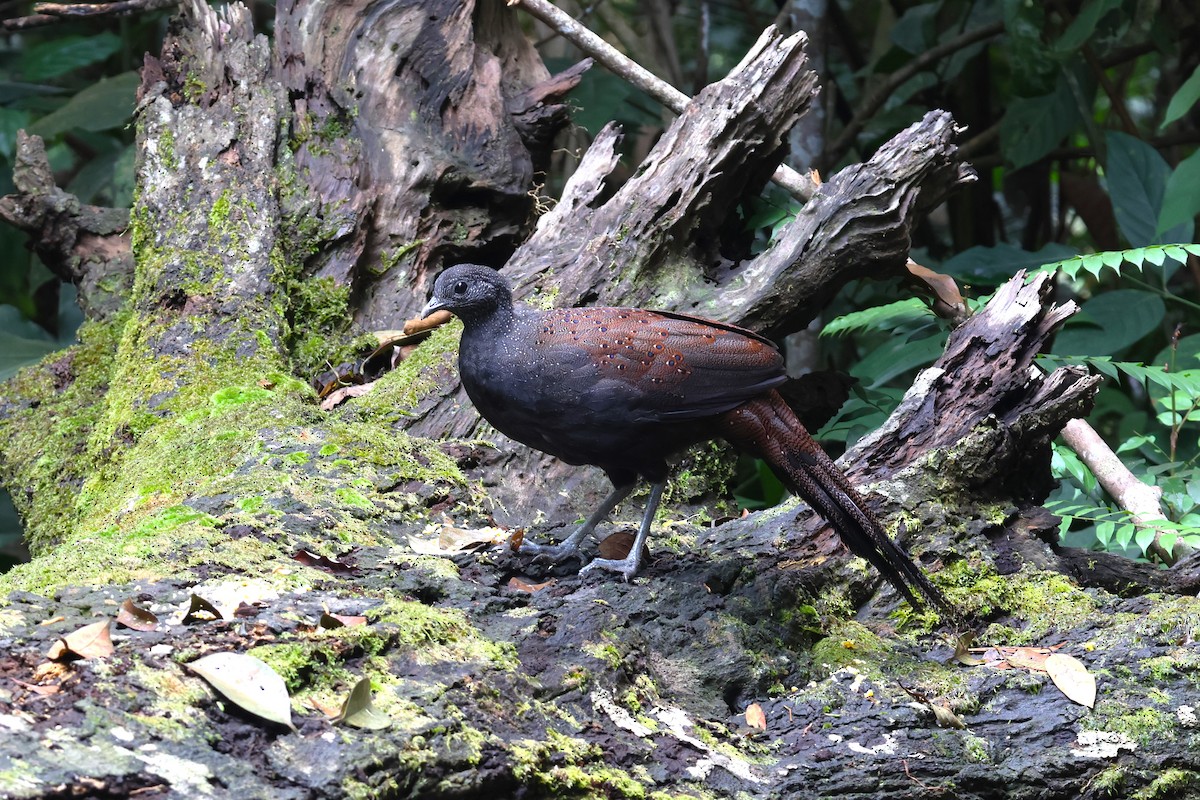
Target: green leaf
(1110, 322)
(1181, 201)
(101, 106)
(896, 357)
(1184, 99)
(60, 55)
(1084, 25)
(1033, 126)
(887, 317)
(1144, 537)
(1137, 178)
(359, 709)
(916, 29)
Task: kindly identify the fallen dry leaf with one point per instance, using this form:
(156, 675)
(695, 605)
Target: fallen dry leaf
(200, 610)
(1072, 679)
(359, 709)
(90, 641)
(38, 689)
(247, 682)
(946, 718)
(330, 710)
(453, 540)
(339, 396)
(1027, 658)
(331, 621)
(324, 563)
(962, 651)
(755, 717)
(948, 300)
(523, 586)
(134, 616)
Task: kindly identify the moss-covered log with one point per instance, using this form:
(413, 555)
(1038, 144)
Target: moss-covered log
(176, 453)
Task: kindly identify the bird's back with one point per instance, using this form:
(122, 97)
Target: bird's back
(610, 385)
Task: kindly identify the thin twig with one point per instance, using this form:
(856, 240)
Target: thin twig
(636, 75)
(102, 9)
(52, 13)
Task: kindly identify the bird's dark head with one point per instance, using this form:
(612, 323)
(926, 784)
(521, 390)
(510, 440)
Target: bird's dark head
(469, 292)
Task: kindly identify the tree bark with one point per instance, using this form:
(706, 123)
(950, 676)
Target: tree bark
(174, 454)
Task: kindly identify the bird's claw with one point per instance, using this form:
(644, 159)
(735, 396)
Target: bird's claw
(628, 567)
(550, 552)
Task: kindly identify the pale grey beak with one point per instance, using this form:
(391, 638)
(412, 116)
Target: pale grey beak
(433, 305)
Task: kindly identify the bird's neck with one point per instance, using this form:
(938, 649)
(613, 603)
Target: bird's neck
(491, 325)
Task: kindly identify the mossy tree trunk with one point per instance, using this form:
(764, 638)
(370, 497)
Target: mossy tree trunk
(288, 188)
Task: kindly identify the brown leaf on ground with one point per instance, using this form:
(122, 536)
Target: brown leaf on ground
(523, 586)
(755, 717)
(1072, 679)
(135, 617)
(90, 641)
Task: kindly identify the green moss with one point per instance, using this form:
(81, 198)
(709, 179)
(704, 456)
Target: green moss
(319, 318)
(848, 644)
(47, 434)
(1171, 782)
(440, 634)
(166, 148)
(388, 260)
(1044, 601)
(604, 651)
(976, 749)
(328, 450)
(218, 215)
(354, 498)
(565, 766)
(193, 87)
(1144, 725)
(1110, 782)
(305, 665)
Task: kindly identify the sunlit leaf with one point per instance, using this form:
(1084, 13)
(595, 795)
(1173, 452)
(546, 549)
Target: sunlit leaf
(90, 641)
(247, 682)
(359, 710)
(1072, 678)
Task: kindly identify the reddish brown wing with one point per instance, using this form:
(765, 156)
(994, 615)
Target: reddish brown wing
(676, 367)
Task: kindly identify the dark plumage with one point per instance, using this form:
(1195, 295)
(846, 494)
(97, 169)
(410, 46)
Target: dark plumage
(623, 389)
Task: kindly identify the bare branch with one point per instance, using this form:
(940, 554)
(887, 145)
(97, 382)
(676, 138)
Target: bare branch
(1139, 499)
(636, 75)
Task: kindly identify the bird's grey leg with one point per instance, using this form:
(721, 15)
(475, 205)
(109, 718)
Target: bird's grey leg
(570, 546)
(629, 565)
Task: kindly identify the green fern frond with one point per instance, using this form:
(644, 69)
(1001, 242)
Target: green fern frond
(1116, 260)
(884, 318)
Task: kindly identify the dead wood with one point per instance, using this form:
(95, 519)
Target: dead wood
(196, 465)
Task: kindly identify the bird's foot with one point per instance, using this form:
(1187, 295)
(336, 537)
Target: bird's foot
(552, 552)
(627, 566)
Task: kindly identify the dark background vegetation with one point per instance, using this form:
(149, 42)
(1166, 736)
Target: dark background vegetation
(1080, 117)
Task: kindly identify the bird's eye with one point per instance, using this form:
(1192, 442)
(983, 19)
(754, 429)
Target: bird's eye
(460, 287)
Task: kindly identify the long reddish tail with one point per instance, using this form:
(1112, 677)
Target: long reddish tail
(767, 428)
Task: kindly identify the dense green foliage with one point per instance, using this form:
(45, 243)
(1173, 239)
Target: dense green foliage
(1081, 118)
